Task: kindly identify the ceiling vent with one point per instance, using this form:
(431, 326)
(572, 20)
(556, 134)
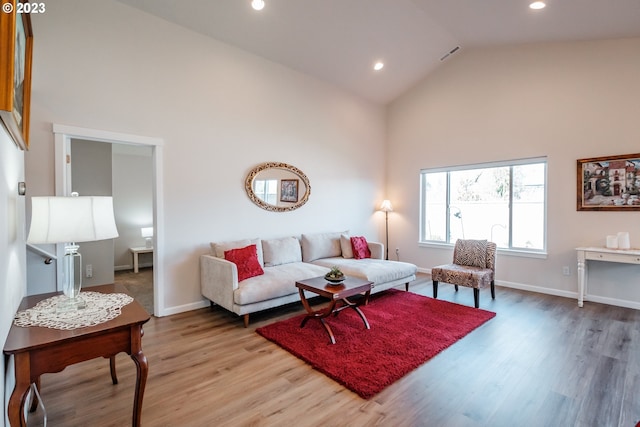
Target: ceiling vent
(451, 52)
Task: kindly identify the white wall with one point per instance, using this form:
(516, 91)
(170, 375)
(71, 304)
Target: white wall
(220, 111)
(12, 246)
(565, 101)
(132, 201)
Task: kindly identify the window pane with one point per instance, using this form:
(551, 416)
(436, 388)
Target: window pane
(435, 209)
(504, 204)
(528, 206)
(479, 205)
(266, 190)
(272, 192)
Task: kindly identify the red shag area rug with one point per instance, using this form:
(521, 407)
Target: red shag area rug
(407, 329)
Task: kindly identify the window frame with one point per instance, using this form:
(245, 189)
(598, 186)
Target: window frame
(511, 250)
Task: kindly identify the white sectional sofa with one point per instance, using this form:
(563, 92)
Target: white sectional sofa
(287, 260)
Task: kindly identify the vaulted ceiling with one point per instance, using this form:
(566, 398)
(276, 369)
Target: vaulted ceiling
(339, 41)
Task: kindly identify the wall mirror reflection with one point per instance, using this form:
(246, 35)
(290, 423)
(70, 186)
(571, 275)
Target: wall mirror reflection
(277, 187)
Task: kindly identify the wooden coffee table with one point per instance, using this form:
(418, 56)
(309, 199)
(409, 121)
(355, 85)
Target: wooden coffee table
(336, 294)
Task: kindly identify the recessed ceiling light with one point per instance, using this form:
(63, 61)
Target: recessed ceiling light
(378, 65)
(537, 5)
(257, 4)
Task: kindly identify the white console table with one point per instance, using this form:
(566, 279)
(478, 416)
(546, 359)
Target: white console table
(626, 256)
(136, 252)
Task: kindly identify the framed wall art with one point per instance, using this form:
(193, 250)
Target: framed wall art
(289, 190)
(16, 47)
(609, 183)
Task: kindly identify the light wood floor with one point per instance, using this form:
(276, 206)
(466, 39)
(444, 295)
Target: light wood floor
(542, 361)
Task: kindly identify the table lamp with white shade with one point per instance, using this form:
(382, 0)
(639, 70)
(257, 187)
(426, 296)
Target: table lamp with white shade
(147, 233)
(71, 220)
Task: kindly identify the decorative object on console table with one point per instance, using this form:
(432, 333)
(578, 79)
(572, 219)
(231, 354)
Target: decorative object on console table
(147, 233)
(386, 208)
(609, 183)
(71, 220)
(623, 240)
(16, 45)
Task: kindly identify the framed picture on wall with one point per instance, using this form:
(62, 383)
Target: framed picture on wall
(289, 190)
(16, 48)
(609, 183)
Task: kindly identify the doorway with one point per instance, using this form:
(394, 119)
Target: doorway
(64, 135)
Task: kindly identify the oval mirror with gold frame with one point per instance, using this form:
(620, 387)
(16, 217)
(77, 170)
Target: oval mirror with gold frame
(277, 187)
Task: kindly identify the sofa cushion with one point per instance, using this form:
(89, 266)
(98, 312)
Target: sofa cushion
(345, 246)
(360, 248)
(276, 282)
(281, 251)
(320, 245)
(218, 248)
(246, 259)
(375, 270)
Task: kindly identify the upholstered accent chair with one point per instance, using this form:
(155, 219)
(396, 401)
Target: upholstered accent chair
(474, 266)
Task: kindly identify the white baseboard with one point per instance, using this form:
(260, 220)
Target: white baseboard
(130, 267)
(612, 301)
(168, 311)
(560, 293)
(538, 289)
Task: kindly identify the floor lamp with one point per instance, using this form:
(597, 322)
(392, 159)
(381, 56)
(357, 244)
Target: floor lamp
(386, 208)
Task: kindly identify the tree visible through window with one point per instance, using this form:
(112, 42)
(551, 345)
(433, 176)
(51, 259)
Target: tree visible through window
(501, 202)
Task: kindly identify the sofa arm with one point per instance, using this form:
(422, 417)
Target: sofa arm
(218, 280)
(377, 250)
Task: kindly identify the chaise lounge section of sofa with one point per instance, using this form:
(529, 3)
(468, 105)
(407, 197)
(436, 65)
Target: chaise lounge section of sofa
(287, 260)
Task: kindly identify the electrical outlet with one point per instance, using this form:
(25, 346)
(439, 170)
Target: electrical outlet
(89, 270)
(566, 270)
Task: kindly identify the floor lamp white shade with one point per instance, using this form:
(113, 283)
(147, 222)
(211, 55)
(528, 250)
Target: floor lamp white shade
(386, 206)
(71, 220)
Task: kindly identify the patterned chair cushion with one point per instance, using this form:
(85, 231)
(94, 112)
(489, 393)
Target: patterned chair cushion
(471, 253)
(469, 276)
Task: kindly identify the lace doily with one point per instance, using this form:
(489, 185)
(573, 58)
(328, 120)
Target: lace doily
(100, 308)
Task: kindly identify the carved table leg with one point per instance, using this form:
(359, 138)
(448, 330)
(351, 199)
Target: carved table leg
(15, 409)
(320, 315)
(142, 368)
(112, 368)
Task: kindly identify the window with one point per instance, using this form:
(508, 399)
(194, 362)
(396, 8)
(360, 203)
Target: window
(266, 190)
(502, 202)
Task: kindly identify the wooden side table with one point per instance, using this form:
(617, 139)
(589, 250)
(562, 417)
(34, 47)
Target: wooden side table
(136, 252)
(39, 350)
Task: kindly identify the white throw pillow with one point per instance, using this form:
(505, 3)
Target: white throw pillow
(321, 245)
(218, 248)
(345, 245)
(281, 251)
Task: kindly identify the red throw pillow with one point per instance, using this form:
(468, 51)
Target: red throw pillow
(360, 248)
(246, 259)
